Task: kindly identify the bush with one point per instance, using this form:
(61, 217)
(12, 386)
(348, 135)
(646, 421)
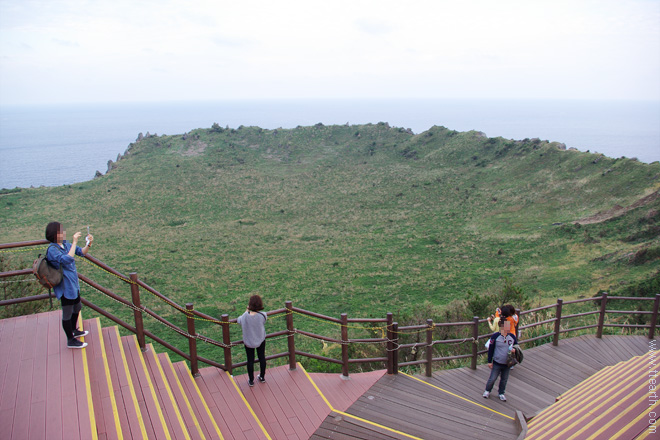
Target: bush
(484, 305)
(478, 305)
(646, 254)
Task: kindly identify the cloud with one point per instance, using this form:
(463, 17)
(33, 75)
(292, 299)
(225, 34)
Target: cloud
(65, 43)
(429, 48)
(231, 42)
(373, 27)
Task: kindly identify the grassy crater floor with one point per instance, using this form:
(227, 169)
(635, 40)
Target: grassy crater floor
(362, 220)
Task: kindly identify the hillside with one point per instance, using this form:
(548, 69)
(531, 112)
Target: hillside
(362, 219)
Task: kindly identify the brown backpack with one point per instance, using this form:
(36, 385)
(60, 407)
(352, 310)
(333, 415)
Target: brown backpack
(46, 274)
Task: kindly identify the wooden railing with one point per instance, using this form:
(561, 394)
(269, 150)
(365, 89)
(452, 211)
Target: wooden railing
(391, 332)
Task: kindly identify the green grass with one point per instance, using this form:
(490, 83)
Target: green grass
(362, 220)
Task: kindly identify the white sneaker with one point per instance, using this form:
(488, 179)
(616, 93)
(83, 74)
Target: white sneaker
(502, 397)
(486, 394)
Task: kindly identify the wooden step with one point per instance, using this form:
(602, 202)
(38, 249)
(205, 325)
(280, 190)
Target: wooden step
(605, 376)
(229, 408)
(197, 401)
(103, 396)
(168, 404)
(130, 416)
(181, 398)
(591, 394)
(603, 404)
(154, 419)
(288, 404)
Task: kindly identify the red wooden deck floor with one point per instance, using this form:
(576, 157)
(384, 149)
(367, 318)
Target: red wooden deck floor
(36, 402)
(287, 406)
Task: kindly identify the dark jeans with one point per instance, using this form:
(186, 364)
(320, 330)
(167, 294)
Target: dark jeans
(496, 371)
(261, 352)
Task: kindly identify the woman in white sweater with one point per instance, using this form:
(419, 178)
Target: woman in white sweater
(253, 323)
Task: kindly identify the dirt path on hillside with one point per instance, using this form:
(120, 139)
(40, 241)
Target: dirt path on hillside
(617, 210)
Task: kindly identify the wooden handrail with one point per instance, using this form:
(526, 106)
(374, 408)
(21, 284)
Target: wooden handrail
(316, 315)
(104, 266)
(23, 244)
(8, 302)
(367, 320)
(534, 324)
(391, 329)
(110, 316)
(577, 315)
(452, 324)
(103, 290)
(15, 273)
(317, 357)
(538, 309)
(577, 301)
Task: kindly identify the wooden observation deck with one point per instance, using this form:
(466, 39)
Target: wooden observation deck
(112, 389)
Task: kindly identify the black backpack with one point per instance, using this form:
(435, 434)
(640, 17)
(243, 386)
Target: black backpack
(46, 274)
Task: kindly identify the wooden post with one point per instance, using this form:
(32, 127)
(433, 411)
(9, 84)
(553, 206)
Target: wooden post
(290, 339)
(654, 317)
(344, 345)
(389, 346)
(192, 342)
(395, 353)
(137, 315)
(429, 348)
(226, 340)
(555, 339)
(601, 317)
(475, 341)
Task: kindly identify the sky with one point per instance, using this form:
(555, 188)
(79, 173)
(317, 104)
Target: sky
(76, 51)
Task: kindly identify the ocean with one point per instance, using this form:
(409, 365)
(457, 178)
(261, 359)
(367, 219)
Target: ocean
(66, 144)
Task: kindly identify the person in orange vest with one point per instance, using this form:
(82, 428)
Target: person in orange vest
(512, 317)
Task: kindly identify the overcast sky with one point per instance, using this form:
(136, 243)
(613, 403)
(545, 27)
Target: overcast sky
(105, 51)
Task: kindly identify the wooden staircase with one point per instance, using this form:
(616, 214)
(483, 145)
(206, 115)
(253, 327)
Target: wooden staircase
(113, 390)
(615, 403)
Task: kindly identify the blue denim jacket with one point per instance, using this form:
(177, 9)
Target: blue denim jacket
(57, 256)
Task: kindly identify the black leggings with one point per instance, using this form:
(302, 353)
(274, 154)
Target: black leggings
(69, 307)
(261, 352)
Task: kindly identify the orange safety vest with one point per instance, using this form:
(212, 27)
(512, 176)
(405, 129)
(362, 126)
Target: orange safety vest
(513, 320)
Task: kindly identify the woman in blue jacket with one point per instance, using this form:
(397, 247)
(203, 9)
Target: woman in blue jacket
(61, 254)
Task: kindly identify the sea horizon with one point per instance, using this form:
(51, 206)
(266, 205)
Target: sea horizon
(61, 144)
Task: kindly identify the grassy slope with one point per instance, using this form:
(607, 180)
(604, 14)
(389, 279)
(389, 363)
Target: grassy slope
(357, 219)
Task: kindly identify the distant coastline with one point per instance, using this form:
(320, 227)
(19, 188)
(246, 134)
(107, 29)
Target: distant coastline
(65, 144)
